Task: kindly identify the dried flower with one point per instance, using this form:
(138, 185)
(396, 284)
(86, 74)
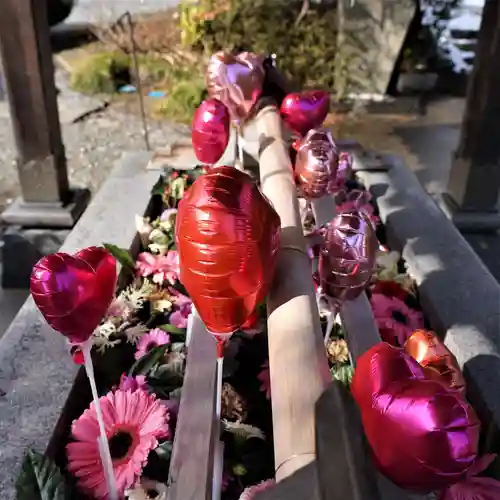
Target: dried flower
(338, 352)
(233, 405)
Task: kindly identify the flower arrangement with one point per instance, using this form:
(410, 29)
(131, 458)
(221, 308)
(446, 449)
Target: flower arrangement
(145, 330)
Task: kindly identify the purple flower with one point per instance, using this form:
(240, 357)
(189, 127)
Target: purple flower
(132, 383)
(182, 310)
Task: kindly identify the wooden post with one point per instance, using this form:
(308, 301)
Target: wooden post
(297, 358)
(29, 74)
(474, 182)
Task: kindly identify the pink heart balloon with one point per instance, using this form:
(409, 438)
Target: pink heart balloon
(423, 434)
(316, 164)
(210, 131)
(305, 110)
(236, 80)
(73, 292)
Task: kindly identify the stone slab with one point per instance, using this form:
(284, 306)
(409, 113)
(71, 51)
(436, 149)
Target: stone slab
(457, 292)
(36, 373)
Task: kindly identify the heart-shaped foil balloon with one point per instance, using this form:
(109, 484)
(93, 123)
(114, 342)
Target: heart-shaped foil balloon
(73, 292)
(316, 164)
(424, 436)
(347, 258)
(303, 111)
(210, 131)
(227, 236)
(437, 360)
(236, 81)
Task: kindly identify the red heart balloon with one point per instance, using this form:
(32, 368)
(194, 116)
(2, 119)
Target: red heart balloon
(73, 292)
(210, 131)
(305, 110)
(424, 435)
(227, 237)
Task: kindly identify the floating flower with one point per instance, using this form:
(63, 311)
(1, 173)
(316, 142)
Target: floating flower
(134, 421)
(265, 379)
(147, 490)
(148, 341)
(395, 320)
(338, 352)
(249, 493)
(132, 383)
(161, 267)
(182, 309)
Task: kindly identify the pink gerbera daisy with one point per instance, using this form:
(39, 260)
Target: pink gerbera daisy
(249, 493)
(134, 421)
(395, 320)
(148, 341)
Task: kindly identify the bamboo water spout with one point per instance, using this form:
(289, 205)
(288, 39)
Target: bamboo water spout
(298, 365)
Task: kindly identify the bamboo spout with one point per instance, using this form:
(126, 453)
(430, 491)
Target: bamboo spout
(298, 365)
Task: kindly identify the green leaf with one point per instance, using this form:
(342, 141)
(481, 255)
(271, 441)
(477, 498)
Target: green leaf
(40, 479)
(342, 373)
(121, 255)
(164, 450)
(177, 187)
(148, 362)
(167, 327)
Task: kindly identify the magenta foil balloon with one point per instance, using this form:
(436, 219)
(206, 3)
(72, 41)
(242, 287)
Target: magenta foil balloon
(210, 131)
(316, 164)
(303, 111)
(347, 259)
(423, 434)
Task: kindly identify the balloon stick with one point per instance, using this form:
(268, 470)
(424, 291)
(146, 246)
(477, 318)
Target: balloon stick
(102, 440)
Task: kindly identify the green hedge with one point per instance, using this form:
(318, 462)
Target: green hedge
(306, 53)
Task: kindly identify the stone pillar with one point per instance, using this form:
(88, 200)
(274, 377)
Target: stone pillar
(47, 207)
(28, 70)
(370, 38)
(472, 198)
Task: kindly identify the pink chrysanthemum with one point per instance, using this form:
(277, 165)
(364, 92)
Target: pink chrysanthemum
(161, 267)
(265, 380)
(134, 421)
(148, 341)
(249, 493)
(395, 320)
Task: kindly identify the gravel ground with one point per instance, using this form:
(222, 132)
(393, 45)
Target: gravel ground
(93, 144)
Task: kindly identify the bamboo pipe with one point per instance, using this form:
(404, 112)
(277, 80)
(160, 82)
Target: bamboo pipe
(297, 360)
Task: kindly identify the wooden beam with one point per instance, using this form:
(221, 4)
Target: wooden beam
(297, 358)
(191, 468)
(29, 74)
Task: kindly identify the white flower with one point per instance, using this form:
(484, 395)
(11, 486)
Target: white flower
(134, 333)
(137, 296)
(147, 490)
(388, 260)
(144, 229)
